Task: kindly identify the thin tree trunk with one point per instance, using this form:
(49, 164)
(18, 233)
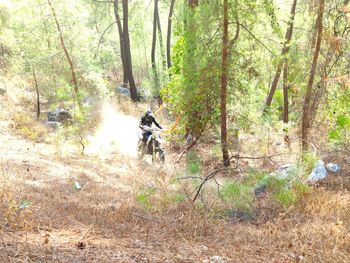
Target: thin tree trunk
(190, 67)
(68, 57)
(225, 155)
(193, 3)
(285, 50)
(37, 95)
(121, 41)
(126, 39)
(154, 42)
(307, 101)
(160, 36)
(285, 93)
(168, 39)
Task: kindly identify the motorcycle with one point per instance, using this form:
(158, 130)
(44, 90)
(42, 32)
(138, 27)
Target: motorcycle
(151, 146)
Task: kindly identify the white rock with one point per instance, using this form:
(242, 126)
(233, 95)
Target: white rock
(333, 167)
(318, 173)
(216, 259)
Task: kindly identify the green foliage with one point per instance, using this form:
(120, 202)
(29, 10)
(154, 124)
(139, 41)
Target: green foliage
(193, 162)
(4, 16)
(274, 184)
(179, 197)
(309, 162)
(191, 92)
(285, 197)
(167, 199)
(158, 200)
(284, 190)
(270, 10)
(144, 197)
(238, 195)
(338, 134)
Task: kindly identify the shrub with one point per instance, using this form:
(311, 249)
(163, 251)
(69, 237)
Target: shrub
(193, 162)
(309, 162)
(28, 128)
(238, 195)
(144, 197)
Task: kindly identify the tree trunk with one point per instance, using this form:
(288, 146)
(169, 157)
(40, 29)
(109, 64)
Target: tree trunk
(69, 59)
(285, 50)
(309, 91)
(37, 95)
(285, 93)
(154, 42)
(190, 70)
(121, 41)
(193, 3)
(225, 155)
(168, 39)
(128, 60)
(160, 36)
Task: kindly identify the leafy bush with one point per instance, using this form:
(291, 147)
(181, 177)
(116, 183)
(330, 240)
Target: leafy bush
(286, 189)
(286, 192)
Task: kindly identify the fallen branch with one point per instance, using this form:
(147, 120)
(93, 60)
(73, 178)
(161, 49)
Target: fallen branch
(207, 178)
(189, 177)
(237, 156)
(186, 150)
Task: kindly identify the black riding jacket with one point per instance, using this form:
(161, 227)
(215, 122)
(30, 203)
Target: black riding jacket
(148, 120)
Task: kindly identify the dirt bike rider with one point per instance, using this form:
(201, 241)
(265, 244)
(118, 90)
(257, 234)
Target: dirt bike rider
(146, 120)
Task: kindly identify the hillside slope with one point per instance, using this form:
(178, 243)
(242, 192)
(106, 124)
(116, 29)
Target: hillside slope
(102, 223)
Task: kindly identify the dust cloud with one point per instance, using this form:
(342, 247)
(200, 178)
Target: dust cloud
(116, 133)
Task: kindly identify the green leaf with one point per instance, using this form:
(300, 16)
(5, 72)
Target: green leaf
(334, 135)
(343, 121)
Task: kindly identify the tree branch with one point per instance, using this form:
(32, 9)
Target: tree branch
(104, 32)
(258, 40)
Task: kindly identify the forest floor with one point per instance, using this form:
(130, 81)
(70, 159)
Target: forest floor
(101, 223)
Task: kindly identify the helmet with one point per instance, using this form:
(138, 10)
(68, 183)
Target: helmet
(149, 113)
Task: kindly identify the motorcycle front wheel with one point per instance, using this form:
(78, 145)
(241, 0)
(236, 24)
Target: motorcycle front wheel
(159, 156)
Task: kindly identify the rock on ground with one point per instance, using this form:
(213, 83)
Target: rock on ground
(318, 173)
(59, 115)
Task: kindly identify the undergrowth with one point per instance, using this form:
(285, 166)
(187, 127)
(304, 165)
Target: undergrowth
(193, 162)
(14, 214)
(26, 126)
(228, 195)
(153, 199)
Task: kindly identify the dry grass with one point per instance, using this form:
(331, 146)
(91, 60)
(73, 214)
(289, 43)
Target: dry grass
(102, 223)
(25, 126)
